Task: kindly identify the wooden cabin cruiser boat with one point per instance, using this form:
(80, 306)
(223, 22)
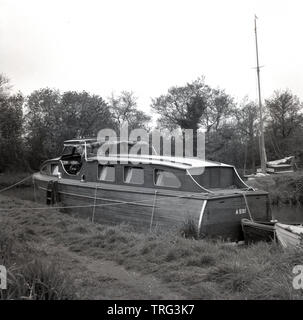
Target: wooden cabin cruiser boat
(150, 191)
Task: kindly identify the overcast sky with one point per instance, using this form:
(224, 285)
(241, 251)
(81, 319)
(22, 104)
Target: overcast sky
(149, 46)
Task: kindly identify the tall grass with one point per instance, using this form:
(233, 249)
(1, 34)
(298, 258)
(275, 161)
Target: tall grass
(37, 280)
(189, 229)
(197, 269)
(27, 277)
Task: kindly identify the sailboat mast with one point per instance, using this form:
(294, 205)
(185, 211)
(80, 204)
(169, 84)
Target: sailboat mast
(261, 137)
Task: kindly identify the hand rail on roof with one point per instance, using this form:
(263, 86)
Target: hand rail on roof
(94, 140)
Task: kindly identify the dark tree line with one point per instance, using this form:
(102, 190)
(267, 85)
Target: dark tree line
(284, 131)
(33, 128)
(232, 130)
(52, 117)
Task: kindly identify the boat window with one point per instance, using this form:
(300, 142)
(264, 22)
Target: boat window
(106, 173)
(72, 162)
(164, 178)
(218, 178)
(54, 169)
(134, 175)
(68, 150)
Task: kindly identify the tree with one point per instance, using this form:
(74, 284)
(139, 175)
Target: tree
(4, 86)
(246, 123)
(84, 114)
(193, 106)
(124, 108)
(284, 123)
(182, 107)
(42, 124)
(11, 129)
(53, 117)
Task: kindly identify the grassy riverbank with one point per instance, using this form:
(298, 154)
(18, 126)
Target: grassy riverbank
(99, 261)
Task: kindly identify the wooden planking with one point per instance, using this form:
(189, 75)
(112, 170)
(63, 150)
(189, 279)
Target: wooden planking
(259, 207)
(254, 232)
(223, 217)
(170, 210)
(178, 210)
(220, 218)
(112, 212)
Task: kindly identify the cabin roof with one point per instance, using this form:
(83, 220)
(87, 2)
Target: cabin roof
(175, 162)
(185, 163)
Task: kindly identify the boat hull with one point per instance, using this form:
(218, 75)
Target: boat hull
(149, 209)
(289, 236)
(254, 232)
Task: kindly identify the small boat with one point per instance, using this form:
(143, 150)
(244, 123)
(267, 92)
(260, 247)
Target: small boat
(285, 165)
(254, 231)
(289, 236)
(149, 191)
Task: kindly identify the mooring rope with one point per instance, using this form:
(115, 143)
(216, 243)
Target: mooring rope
(94, 205)
(15, 184)
(73, 207)
(247, 207)
(164, 198)
(95, 200)
(198, 184)
(35, 194)
(153, 211)
(249, 212)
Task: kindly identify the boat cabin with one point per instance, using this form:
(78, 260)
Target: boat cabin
(80, 161)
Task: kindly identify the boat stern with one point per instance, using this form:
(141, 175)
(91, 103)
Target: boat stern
(222, 215)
